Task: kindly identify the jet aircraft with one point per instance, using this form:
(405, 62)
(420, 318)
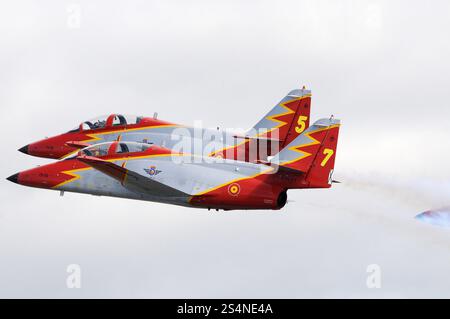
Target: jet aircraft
(151, 172)
(275, 130)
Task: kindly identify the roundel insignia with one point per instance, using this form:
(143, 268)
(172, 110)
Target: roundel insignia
(152, 170)
(234, 189)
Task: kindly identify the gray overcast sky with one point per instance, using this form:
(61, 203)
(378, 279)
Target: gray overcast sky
(380, 66)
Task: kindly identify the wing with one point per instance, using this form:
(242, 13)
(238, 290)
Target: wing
(132, 180)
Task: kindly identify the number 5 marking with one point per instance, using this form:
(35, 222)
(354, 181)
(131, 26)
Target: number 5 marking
(301, 121)
(328, 152)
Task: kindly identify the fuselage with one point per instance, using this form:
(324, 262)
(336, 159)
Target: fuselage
(199, 181)
(148, 159)
(180, 138)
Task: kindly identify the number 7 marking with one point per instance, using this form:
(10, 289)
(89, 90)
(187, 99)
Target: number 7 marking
(328, 152)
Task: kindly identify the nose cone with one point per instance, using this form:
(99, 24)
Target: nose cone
(24, 149)
(14, 178)
(47, 176)
(53, 147)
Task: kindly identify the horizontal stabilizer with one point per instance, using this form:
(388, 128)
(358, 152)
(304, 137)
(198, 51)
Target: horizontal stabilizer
(258, 138)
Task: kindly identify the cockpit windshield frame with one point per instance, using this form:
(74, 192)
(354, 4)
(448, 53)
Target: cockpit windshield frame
(111, 148)
(112, 120)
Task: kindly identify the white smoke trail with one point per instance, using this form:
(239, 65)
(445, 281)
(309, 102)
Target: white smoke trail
(417, 194)
(408, 191)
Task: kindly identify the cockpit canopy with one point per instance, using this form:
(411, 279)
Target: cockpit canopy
(108, 121)
(113, 148)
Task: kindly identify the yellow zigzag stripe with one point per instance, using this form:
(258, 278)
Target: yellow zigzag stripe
(98, 136)
(233, 181)
(305, 154)
(74, 176)
(272, 118)
(77, 177)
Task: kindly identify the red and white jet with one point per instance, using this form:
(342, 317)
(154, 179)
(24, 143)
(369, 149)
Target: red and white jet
(155, 173)
(275, 130)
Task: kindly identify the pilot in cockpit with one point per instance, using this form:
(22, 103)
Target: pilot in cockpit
(99, 124)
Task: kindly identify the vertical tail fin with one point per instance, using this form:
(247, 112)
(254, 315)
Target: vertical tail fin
(287, 119)
(313, 153)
